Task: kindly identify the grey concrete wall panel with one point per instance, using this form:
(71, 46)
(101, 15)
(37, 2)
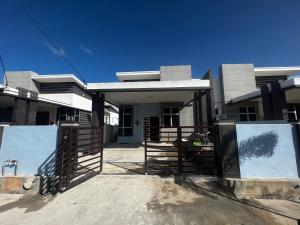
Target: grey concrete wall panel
(175, 73)
(238, 79)
(22, 79)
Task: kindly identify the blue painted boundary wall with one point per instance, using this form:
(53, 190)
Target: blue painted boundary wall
(268, 150)
(32, 146)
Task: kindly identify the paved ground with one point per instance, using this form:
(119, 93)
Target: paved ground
(135, 200)
(123, 159)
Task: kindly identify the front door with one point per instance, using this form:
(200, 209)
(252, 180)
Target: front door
(154, 128)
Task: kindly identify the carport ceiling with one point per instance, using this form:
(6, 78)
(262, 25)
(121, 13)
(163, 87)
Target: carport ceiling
(123, 98)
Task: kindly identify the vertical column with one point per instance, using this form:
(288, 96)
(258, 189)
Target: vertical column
(195, 108)
(199, 109)
(209, 98)
(277, 100)
(208, 107)
(96, 104)
(266, 100)
(179, 150)
(101, 123)
(19, 111)
(31, 112)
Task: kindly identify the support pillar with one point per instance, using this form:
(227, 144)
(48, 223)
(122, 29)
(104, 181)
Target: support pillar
(266, 100)
(19, 112)
(199, 108)
(31, 112)
(96, 105)
(195, 108)
(277, 100)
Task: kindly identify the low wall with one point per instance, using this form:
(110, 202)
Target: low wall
(34, 147)
(268, 150)
(31, 146)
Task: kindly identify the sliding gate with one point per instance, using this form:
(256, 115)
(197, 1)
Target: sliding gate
(79, 155)
(180, 150)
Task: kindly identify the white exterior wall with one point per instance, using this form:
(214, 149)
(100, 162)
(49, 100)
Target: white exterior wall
(69, 99)
(139, 112)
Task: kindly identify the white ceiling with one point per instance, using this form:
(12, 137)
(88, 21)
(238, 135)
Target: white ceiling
(119, 98)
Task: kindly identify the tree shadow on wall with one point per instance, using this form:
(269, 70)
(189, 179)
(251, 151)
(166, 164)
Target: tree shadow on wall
(259, 146)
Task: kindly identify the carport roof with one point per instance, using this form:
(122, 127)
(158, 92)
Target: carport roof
(194, 84)
(119, 93)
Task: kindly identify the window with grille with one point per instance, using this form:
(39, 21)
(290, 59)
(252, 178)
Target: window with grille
(248, 113)
(171, 117)
(68, 115)
(125, 121)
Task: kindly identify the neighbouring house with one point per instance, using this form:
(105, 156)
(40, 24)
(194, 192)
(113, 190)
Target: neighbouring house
(244, 92)
(168, 98)
(30, 98)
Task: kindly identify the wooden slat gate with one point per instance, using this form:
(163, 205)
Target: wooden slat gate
(181, 150)
(79, 155)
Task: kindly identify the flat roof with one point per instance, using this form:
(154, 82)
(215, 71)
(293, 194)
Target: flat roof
(138, 75)
(194, 84)
(58, 78)
(271, 71)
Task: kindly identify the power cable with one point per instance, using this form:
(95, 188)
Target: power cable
(47, 37)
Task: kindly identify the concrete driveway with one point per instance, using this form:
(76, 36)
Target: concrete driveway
(135, 200)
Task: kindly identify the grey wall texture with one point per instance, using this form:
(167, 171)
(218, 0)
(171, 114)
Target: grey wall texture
(175, 72)
(236, 80)
(21, 79)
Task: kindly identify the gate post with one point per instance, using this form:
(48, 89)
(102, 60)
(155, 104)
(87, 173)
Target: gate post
(145, 140)
(179, 149)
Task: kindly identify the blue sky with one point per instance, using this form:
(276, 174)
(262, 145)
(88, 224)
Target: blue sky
(103, 37)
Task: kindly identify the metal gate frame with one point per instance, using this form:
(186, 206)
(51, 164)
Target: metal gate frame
(79, 155)
(181, 156)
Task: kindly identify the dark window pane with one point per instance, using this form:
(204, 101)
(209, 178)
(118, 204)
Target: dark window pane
(167, 120)
(243, 117)
(127, 131)
(120, 131)
(175, 120)
(175, 110)
(167, 110)
(251, 109)
(243, 110)
(128, 110)
(127, 120)
(252, 117)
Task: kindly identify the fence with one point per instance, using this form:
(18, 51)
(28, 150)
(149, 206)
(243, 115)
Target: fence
(180, 150)
(79, 155)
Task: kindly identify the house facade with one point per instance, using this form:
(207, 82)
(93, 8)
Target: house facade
(244, 92)
(152, 98)
(29, 98)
